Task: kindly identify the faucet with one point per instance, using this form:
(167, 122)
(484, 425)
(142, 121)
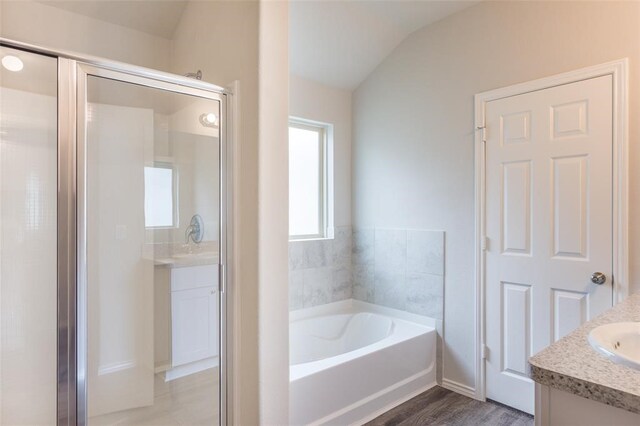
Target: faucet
(188, 233)
(195, 230)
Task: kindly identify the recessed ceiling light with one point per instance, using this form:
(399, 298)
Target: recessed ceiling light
(12, 63)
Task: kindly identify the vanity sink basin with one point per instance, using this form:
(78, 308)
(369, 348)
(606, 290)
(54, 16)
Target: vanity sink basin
(620, 341)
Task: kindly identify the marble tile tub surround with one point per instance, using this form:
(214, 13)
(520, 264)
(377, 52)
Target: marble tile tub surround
(320, 270)
(400, 268)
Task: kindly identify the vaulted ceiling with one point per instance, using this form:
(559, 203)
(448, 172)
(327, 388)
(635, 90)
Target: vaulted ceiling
(334, 42)
(339, 43)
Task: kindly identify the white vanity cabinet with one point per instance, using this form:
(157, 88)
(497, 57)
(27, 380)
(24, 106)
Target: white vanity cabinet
(194, 314)
(555, 407)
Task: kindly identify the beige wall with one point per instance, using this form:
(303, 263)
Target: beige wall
(48, 26)
(221, 39)
(273, 184)
(413, 163)
(318, 102)
(247, 41)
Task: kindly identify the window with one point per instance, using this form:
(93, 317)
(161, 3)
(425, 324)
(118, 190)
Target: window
(308, 179)
(159, 196)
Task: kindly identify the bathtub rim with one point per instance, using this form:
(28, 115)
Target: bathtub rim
(407, 326)
(355, 306)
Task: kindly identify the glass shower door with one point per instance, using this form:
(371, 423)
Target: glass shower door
(150, 238)
(28, 239)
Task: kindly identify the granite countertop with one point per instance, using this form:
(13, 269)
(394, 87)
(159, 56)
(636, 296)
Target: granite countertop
(572, 365)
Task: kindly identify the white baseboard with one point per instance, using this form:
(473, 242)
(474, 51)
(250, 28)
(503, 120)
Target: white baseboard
(161, 368)
(191, 368)
(115, 367)
(459, 388)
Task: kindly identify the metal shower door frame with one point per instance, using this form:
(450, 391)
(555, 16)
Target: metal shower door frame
(82, 74)
(73, 72)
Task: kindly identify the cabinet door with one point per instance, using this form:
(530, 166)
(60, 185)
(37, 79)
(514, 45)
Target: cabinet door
(194, 325)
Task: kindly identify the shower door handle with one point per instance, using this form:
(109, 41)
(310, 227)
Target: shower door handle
(222, 277)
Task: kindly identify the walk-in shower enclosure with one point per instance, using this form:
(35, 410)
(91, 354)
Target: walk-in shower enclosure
(108, 314)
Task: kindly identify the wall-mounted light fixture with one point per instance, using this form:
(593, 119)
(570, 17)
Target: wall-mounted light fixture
(208, 119)
(12, 63)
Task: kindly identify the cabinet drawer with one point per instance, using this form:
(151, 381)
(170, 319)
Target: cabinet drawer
(191, 277)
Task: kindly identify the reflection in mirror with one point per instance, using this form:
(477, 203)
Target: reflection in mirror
(153, 302)
(160, 196)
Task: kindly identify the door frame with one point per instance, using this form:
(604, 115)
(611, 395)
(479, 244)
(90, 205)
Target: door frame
(619, 70)
(71, 283)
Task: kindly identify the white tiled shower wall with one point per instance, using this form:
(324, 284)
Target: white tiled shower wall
(397, 268)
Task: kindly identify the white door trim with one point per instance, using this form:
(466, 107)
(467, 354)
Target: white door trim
(619, 72)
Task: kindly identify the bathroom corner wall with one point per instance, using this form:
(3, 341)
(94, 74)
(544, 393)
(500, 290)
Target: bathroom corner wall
(413, 163)
(401, 269)
(397, 268)
(320, 270)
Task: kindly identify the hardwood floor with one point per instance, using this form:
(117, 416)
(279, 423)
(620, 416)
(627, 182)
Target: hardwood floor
(439, 406)
(189, 401)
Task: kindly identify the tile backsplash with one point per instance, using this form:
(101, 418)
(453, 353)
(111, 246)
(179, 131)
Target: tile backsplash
(397, 268)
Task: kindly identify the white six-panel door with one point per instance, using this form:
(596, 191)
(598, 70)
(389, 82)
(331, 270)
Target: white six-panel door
(548, 225)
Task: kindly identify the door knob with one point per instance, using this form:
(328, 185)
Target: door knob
(598, 278)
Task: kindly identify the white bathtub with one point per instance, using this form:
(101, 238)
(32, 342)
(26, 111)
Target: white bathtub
(351, 361)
